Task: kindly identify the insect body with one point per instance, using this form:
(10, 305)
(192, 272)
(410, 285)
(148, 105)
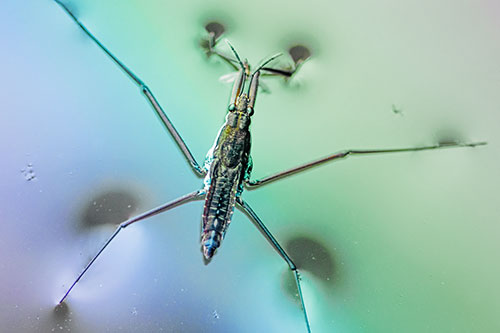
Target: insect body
(228, 169)
(225, 176)
(228, 164)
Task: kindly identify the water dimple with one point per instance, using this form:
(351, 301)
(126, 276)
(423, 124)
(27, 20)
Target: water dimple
(215, 314)
(299, 53)
(215, 28)
(310, 256)
(111, 206)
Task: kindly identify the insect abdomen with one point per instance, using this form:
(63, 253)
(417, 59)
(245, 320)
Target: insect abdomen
(217, 213)
(228, 165)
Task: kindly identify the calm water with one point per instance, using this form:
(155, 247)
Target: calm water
(387, 243)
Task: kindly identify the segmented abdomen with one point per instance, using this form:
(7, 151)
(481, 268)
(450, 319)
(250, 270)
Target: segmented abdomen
(218, 210)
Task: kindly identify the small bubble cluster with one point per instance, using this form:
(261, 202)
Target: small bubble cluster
(28, 172)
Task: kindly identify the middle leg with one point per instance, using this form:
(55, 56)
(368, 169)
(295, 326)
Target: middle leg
(146, 92)
(345, 153)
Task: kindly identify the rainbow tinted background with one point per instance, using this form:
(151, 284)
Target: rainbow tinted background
(400, 243)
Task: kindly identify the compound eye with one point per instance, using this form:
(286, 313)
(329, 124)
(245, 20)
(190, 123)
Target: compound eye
(250, 111)
(231, 107)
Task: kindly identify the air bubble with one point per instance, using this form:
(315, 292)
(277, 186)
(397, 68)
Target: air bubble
(215, 314)
(28, 172)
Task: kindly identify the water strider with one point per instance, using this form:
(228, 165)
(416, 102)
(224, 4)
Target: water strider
(228, 164)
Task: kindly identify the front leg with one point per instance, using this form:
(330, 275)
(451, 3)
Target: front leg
(146, 92)
(299, 54)
(345, 153)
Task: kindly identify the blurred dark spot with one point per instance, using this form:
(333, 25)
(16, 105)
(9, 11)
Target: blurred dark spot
(215, 28)
(397, 110)
(447, 142)
(310, 256)
(61, 311)
(299, 54)
(111, 207)
(448, 137)
(58, 320)
(214, 31)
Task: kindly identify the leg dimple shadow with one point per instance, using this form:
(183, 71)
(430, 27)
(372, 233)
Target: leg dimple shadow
(448, 136)
(61, 311)
(59, 319)
(215, 28)
(299, 53)
(310, 256)
(214, 31)
(109, 207)
(447, 140)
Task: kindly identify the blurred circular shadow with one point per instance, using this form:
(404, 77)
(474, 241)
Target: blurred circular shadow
(61, 311)
(448, 136)
(59, 319)
(112, 206)
(310, 256)
(299, 53)
(215, 28)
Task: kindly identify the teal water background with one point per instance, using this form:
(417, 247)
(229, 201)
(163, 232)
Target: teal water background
(409, 241)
